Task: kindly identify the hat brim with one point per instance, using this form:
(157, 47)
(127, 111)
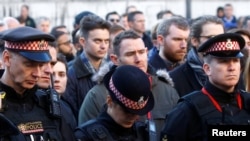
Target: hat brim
(148, 107)
(37, 56)
(228, 55)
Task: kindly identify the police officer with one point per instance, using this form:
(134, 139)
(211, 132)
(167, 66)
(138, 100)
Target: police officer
(129, 96)
(37, 116)
(219, 102)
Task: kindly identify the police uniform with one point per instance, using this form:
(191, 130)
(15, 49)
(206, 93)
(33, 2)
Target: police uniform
(129, 87)
(30, 112)
(196, 112)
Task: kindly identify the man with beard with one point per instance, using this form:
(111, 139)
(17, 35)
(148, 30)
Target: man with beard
(172, 37)
(190, 75)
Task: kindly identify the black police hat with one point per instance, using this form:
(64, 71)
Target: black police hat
(29, 42)
(131, 88)
(225, 45)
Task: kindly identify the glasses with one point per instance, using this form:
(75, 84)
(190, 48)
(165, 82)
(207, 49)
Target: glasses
(208, 37)
(114, 20)
(65, 43)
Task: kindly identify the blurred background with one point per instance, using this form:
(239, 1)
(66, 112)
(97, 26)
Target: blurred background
(62, 12)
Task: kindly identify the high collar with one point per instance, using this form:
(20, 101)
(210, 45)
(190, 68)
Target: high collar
(13, 95)
(219, 94)
(113, 127)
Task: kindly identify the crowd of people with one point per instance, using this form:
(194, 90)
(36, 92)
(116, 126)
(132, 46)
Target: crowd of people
(110, 79)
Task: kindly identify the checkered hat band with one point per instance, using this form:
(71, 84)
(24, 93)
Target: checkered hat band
(28, 45)
(135, 105)
(224, 46)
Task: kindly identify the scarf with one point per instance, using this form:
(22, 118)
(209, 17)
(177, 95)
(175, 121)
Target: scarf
(196, 64)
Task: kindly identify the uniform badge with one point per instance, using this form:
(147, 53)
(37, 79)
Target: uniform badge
(229, 44)
(31, 127)
(141, 102)
(165, 138)
(41, 44)
(2, 96)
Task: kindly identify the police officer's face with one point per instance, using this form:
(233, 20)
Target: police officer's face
(21, 73)
(119, 115)
(223, 73)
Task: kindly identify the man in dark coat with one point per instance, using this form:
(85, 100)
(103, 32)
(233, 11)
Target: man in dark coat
(190, 75)
(220, 106)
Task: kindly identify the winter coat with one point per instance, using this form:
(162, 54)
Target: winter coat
(165, 96)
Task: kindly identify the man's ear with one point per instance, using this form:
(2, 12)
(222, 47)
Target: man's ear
(114, 58)
(160, 39)
(82, 41)
(109, 100)
(206, 68)
(6, 58)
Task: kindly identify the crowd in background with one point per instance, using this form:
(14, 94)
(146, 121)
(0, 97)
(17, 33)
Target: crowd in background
(79, 56)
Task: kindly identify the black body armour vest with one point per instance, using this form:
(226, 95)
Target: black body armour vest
(35, 123)
(209, 115)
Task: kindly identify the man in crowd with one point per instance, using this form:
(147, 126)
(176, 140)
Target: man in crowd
(136, 22)
(95, 38)
(130, 50)
(172, 37)
(190, 76)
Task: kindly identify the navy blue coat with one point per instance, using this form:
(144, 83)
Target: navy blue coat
(184, 79)
(78, 84)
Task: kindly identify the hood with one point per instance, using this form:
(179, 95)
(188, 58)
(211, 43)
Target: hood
(98, 77)
(164, 76)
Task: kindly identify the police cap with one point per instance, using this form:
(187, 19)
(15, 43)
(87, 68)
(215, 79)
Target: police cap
(130, 87)
(227, 45)
(29, 42)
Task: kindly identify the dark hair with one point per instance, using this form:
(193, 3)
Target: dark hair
(161, 13)
(196, 26)
(154, 32)
(62, 58)
(164, 25)
(25, 6)
(127, 8)
(247, 18)
(115, 28)
(219, 9)
(228, 5)
(92, 22)
(42, 18)
(52, 44)
(129, 34)
(111, 13)
(131, 15)
(55, 28)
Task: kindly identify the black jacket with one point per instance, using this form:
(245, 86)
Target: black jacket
(191, 118)
(184, 79)
(106, 129)
(30, 113)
